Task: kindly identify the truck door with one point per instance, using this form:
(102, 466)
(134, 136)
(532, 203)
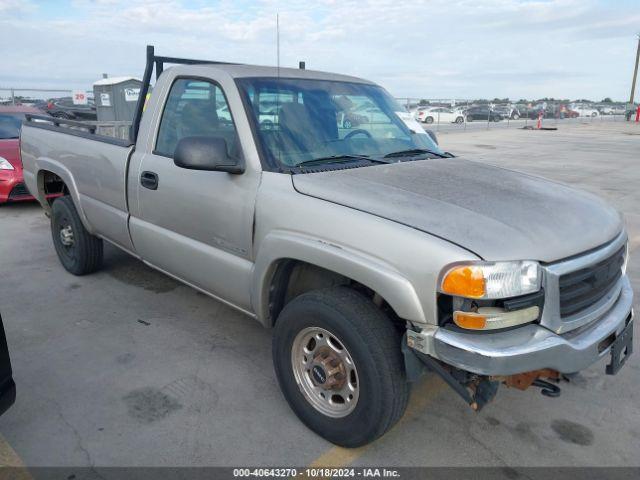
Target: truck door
(195, 225)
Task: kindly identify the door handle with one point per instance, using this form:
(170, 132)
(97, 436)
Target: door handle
(149, 180)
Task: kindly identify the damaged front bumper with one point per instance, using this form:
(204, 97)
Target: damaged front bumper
(527, 348)
(474, 364)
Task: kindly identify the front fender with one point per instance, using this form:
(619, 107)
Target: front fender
(367, 270)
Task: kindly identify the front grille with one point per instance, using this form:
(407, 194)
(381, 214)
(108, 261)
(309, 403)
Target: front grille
(20, 190)
(583, 288)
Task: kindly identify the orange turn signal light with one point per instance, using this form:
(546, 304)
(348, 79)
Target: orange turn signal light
(470, 321)
(464, 281)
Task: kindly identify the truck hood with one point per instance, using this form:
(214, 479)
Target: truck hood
(495, 213)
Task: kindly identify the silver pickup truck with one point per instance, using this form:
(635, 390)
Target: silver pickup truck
(371, 253)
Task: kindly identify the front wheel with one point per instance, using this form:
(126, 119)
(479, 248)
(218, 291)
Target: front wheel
(79, 251)
(338, 362)
(460, 120)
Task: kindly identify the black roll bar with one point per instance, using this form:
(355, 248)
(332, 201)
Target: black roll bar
(158, 62)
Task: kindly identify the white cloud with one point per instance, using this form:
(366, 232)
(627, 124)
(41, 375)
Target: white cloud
(422, 48)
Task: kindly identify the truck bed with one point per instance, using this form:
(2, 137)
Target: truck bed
(99, 164)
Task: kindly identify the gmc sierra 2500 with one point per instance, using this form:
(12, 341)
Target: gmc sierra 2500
(371, 253)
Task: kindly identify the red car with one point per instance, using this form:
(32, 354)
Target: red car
(12, 188)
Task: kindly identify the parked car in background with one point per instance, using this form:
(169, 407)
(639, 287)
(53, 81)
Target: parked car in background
(569, 113)
(618, 110)
(12, 188)
(584, 110)
(440, 115)
(604, 109)
(65, 108)
(508, 111)
(370, 113)
(351, 119)
(483, 112)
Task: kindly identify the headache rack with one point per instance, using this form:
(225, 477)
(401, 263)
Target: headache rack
(117, 132)
(158, 62)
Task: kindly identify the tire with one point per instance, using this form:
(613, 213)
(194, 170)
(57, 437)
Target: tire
(428, 120)
(515, 117)
(80, 252)
(594, 114)
(459, 119)
(469, 119)
(368, 338)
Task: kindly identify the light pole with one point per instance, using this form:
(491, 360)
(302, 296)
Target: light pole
(635, 75)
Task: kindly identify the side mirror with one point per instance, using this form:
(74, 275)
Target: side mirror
(205, 153)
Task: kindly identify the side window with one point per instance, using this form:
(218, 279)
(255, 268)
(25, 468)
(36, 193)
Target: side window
(195, 108)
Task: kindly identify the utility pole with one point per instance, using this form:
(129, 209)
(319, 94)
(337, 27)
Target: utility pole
(635, 75)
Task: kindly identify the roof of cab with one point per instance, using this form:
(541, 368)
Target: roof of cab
(247, 71)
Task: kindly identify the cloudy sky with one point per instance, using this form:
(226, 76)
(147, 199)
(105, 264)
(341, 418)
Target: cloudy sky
(418, 48)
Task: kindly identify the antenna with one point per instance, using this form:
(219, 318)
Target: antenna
(278, 74)
(278, 42)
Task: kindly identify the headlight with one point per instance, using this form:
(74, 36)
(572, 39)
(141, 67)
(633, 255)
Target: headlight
(4, 164)
(491, 280)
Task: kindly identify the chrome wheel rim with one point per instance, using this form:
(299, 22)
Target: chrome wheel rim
(325, 372)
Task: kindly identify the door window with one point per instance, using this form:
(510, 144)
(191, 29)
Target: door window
(195, 108)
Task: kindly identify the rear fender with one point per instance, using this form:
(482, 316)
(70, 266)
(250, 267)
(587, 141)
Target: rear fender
(43, 164)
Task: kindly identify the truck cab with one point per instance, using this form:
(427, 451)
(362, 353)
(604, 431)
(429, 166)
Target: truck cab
(372, 254)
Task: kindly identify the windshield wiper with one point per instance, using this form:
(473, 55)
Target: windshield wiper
(338, 159)
(416, 151)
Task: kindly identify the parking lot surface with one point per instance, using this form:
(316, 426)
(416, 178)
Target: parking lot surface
(127, 367)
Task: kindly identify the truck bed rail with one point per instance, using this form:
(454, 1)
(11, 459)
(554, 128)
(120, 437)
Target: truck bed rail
(73, 127)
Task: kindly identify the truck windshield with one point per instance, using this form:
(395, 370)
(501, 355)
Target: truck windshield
(10, 125)
(302, 120)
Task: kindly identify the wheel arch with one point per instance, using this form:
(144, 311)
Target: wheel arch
(51, 171)
(290, 264)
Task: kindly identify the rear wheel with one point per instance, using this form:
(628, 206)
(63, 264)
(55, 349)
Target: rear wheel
(79, 251)
(459, 119)
(339, 364)
(428, 120)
